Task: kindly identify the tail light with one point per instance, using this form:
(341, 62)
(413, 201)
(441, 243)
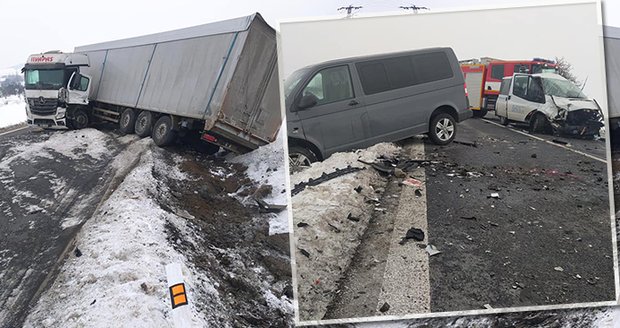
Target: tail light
(209, 138)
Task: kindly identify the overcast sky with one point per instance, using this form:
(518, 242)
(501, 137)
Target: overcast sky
(34, 26)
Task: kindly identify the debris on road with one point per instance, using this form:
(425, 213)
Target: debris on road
(494, 195)
(353, 218)
(559, 268)
(473, 218)
(466, 143)
(558, 141)
(412, 233)
(533, 156)
(324, 177)
(77, 252)
(432, 250)
(385, 307)
(418, 193)
(412, 182)
(302, 224)
(304, 252)
(269, 208)
(358, 189)
(488, 306)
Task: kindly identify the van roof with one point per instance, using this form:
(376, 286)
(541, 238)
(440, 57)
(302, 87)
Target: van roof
(377, 56)
(543, 75)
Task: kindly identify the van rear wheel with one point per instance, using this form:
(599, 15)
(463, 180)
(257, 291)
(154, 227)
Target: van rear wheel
(163, 133)
(442, 129)
(300, 158)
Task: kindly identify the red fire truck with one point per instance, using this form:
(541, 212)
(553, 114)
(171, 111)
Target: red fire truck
(483, 78)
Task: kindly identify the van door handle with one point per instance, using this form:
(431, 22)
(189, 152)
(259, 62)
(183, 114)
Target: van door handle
(353, 102)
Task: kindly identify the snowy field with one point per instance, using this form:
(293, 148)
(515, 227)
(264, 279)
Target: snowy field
(12, 111)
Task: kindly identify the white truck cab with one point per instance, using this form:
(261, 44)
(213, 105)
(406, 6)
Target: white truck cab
(56, 92)
(548, 103)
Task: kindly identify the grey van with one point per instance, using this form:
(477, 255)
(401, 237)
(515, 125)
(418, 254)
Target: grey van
(357, 102)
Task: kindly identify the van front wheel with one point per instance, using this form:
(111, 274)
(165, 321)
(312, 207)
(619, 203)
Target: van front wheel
(442, 129)
(300, 158)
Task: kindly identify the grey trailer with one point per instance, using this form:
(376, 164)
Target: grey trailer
(218, 80)
(612, 67)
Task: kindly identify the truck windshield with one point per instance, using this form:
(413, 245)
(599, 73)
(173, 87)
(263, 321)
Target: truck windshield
(44, 79)
(562, 88)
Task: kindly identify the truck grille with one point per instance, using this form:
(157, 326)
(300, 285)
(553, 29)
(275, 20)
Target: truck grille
(43, 106)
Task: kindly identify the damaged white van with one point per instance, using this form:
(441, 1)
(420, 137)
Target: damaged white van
(549, 103)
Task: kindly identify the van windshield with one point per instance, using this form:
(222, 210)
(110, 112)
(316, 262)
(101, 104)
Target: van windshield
(562, 88)
(293, 81)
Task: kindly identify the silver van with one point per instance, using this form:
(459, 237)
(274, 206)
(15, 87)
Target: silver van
(357, 102)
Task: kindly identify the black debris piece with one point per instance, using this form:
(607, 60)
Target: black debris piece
(466, 143)
(268, 208)
(385, 307)
(473, 218)
(304, 252)
(358, 189)
(353, 218)
(93, 302)
(413, 233)
(77, 252)
(324, 177)
(382, 168)
(336, 229)
(418, 193)
(558, 141)
(534, 156)
(302, 224)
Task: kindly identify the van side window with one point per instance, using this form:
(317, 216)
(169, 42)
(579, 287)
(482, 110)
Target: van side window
(535, 91)
(400, 72)
(520, 86)
(504, 89)
(431, 67)
(497, 71)
(330, 85)
(373, 77)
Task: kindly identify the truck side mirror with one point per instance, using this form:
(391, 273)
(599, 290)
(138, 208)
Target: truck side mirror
(307, 101)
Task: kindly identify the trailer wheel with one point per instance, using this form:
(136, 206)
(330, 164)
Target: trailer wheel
(128, 120)
(442, 129)
(144, 124)
(163, 134)
(80, 119)
(299, 158)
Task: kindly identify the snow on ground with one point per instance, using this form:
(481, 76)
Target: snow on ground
(120, 278)
(266, 166)
(12, 111)
(323, 208)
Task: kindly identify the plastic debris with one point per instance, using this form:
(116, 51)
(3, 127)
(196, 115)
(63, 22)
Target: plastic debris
(304, 252)
(559, 268)
(494, 195)
(466, 143)
(358, 189)
(412, 233)
(432, 250)
(269, 208)
(418, 193)
(558, 141)
(302, 224)
(385, 307)
(488, 306)
(412, 182)
(353, 218)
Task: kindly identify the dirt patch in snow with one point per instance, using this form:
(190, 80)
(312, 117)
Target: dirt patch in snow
(228, 240)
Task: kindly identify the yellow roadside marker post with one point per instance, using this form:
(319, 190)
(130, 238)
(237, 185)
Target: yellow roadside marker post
(178, 296)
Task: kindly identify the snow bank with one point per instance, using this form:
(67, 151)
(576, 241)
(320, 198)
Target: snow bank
(120, 278)
(12, 111)
(266, 166)
(322, 208)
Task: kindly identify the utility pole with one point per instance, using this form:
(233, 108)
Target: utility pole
(414, 8)
(349, 10)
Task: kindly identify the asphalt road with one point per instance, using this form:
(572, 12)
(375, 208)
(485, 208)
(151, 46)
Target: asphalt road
(44, 199)
(545, 240)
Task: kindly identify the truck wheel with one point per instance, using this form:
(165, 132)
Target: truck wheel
(503, 120)
(80, 119)
(539, 124)
(299, 158)
(163, 134)
(442, 129)
(144, 124)
(128, 120)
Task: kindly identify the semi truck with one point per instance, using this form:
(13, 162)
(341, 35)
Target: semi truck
(612, 68)
(217, 82)
(483, 77)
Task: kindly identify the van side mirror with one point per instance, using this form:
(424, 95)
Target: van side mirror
(307, 101)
